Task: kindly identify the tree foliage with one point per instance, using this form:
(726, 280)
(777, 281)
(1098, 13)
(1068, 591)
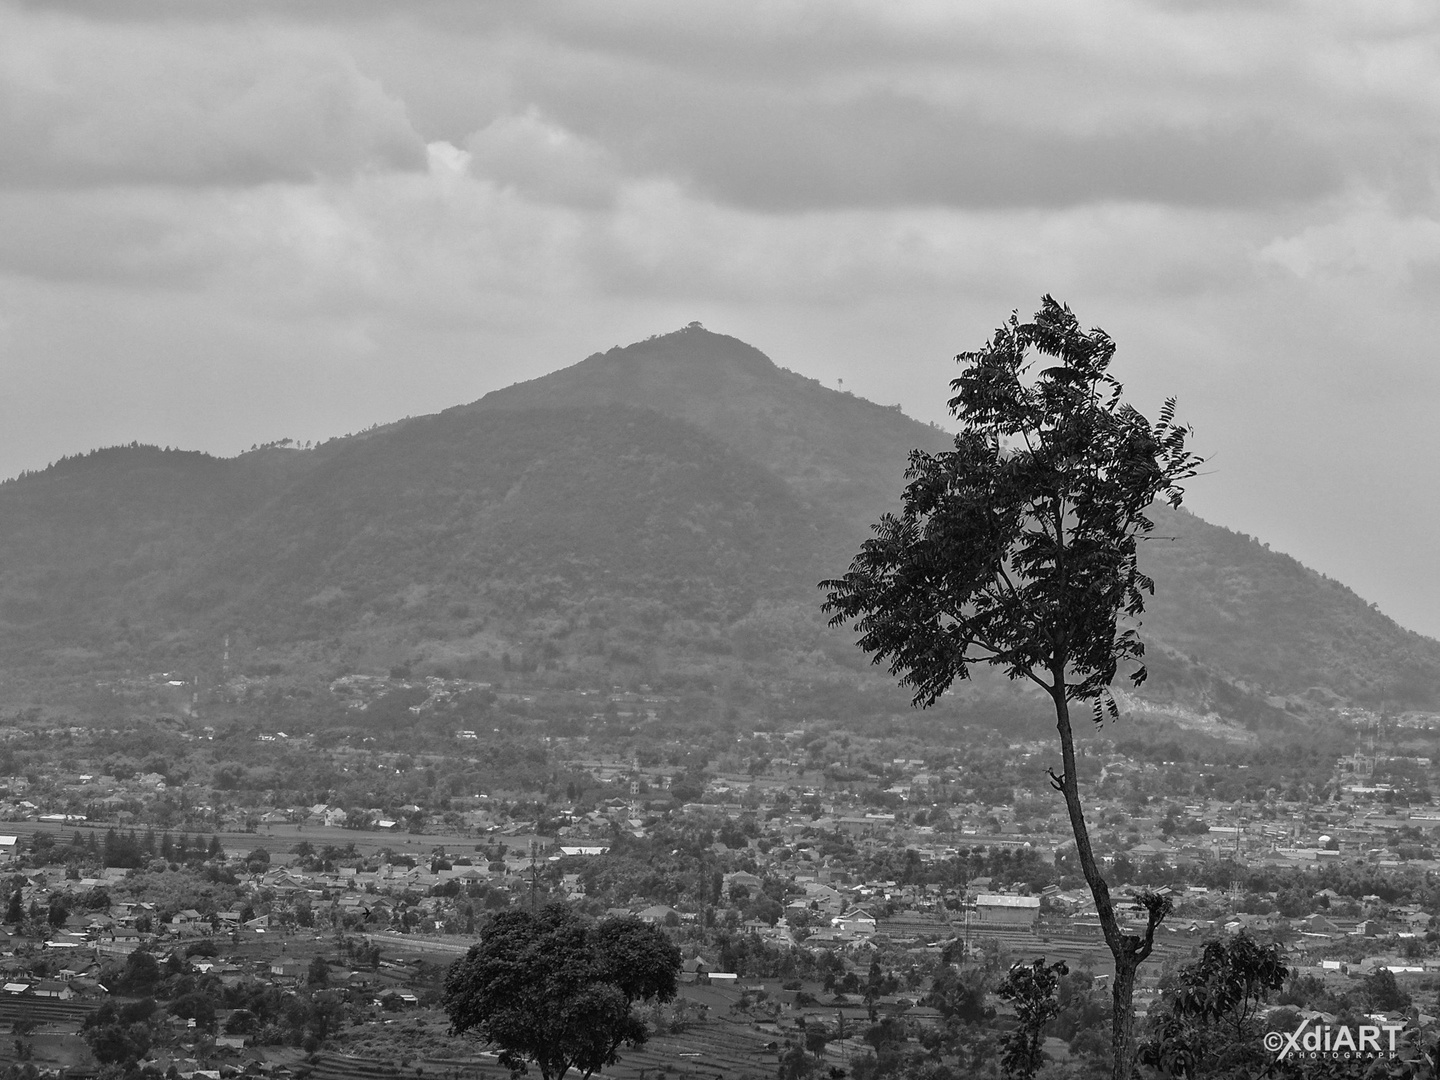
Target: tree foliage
(1030, 988)
(554, 988)
(1018, 547)
(1383, 993)
(960, 997)
(1017, 550)
(1207, 1023)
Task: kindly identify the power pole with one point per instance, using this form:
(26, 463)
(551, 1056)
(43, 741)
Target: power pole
(534, 871)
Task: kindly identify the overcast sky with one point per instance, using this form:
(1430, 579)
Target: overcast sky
(223, 223)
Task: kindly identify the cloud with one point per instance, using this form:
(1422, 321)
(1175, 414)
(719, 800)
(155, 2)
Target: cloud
(777, 106)
(171, 103)
(769, 153)
(543, 160)
(221, 223)
(1369, 244)
(791, 107)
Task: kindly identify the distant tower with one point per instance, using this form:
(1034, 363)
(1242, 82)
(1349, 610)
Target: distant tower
(225, 658)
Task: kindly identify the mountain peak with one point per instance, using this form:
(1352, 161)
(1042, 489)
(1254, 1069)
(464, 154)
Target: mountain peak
(784, 421)
(693, 344)
(663, 369)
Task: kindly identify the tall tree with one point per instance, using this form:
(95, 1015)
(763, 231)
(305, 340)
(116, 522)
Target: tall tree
(1017, 549)
(15, 913)
(551, 987)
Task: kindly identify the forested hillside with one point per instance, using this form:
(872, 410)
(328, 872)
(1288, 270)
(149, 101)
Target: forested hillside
(1226, 602)
(660, 510)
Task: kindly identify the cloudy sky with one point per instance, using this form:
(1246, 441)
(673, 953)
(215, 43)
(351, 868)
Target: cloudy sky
(223, 223)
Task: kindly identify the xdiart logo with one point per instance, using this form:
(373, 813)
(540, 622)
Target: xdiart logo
(1334, 1043)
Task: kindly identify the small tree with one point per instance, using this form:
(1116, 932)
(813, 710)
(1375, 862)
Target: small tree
(960, 998)
(817, 1037)
(1017, 549)
(1383, 993)
(1030, 988)
(551, 987)
(794, 1063)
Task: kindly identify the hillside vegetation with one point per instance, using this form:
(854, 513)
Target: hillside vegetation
(659, 510)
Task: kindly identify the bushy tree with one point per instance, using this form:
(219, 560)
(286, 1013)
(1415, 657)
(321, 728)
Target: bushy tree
(1206, 1024)
(1018, 549)
(795, 1064)
(139, 975)
(1383, 993)
(556, 989)
(117, 1043)
(960, 997)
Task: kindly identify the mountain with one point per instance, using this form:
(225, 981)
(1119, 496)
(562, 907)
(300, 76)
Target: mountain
(839, 453)
(658, 512)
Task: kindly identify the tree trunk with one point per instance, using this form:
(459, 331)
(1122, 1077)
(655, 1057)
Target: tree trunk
(1122, 1019)
(1126, 949)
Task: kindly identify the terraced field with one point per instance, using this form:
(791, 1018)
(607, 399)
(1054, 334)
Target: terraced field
(44, 1012)
(723, 1049)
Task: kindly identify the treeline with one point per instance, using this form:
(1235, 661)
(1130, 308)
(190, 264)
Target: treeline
(125, 850)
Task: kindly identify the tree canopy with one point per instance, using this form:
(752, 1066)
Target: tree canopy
(1208, 1022)
(557, 989)
(1018, 547)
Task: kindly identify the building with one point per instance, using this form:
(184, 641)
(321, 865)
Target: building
(855, 921)
(993, 909)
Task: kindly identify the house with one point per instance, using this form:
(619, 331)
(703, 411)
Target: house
(742, 877)
(694, 970)
(1417, 921)
(823, 898)
(1316, 924)
(189, 919)
(855, 921)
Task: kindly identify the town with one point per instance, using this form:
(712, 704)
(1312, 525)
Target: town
(223, 896)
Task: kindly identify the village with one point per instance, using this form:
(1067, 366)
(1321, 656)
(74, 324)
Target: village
(812, 885)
